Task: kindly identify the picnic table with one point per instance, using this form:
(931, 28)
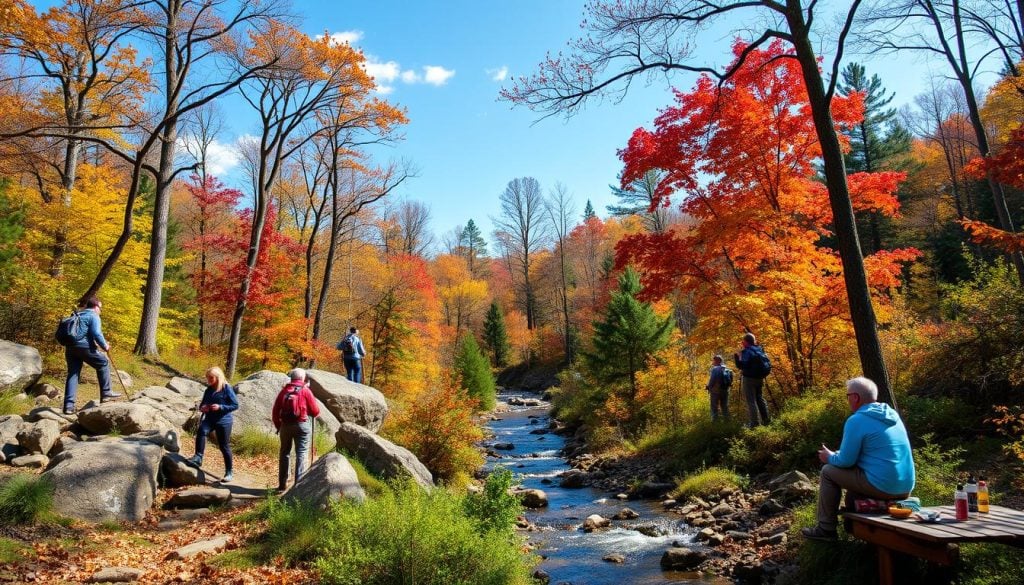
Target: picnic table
(934, 542)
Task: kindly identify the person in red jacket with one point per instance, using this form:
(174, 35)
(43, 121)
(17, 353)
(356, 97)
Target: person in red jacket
(294, 410)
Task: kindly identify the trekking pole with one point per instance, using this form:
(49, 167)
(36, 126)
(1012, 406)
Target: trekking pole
(110, 358)
(312, 446)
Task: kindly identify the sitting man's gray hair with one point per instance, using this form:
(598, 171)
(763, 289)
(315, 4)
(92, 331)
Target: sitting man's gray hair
(863, 387)
(297, 374)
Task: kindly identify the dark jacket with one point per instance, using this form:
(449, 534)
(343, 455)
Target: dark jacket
(93, 331)
(226, 399)
(745, 362)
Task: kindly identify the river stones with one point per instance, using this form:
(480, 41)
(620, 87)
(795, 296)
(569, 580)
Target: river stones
(532, 499)
(682, 559)
(594, 522)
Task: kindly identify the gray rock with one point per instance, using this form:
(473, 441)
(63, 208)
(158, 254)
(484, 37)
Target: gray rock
(20, 367)
(98, 481)
(126, 378)
(42, 401)
(594, 522)
(626, 514)
(211, 545)
(705, 534)
(614, 558)
(330, 479)
(175, 407)
(504, 446)
(722, 509)
(682, 559)
(256, 395)
(116, 575)
(33, 461)
(10, 426)
(38, 437)
(349, 401)
(532, 499)
(748, 571)
(542, 577)
(573, 480)
(64, 421)
(190, 389)
(774, 539)
(794, 492)
(381, 456)
(43, 389)
(771, 507)
(199, 497)
(653, 489)
(177, 472)
(738, 535)
(168, 439)
(124, 417)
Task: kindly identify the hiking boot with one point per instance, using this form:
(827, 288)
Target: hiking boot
(819, 533)
(196, 460)
(227, 477)
(109, 397)
(69, 410)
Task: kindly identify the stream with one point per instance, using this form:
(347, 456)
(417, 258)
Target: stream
(571, 555)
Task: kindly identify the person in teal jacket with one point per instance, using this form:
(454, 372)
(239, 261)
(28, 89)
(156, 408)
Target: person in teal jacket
(874, 460)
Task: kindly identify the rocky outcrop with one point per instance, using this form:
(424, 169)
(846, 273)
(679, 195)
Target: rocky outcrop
(190, 389)
(38, 437)
(330, 479)
(20, 367)
(381, 456)
(122, 417)
(256, 395)
(792, 487)
(348, 401)
(99, 481)
(174, 407)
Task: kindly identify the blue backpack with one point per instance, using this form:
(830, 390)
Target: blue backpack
(726, 378)
(759, 365)
(70, 330)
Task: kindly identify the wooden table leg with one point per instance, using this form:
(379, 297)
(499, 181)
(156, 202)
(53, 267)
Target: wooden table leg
(885, 576)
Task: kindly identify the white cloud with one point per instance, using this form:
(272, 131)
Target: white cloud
(498, 74)
(346, 36)
(410, 76)
(384, 89)
(382, 72)
(437, 75)
(220, 157)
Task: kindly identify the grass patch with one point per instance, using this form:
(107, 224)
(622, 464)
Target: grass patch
(323, 442)
(26, 499)
(110, 526)
(707, 482)
(10, 403)
(251, 441)
(241, 558)
(372, 485)
(13, 551)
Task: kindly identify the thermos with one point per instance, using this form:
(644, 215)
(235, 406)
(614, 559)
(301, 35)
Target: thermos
(972, 495)
(960, 503)
(982, 495)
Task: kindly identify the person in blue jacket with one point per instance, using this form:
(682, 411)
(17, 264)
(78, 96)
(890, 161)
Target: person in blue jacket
(874, 460)
(352, 354)
(88, 350)
(218, 402)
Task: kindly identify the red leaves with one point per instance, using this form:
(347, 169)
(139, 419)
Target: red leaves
(987, 235)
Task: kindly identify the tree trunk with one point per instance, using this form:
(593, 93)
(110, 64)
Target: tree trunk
(122, 239)
(60, 239)
(858, 293)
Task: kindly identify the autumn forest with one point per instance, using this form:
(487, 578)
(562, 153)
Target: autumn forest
(782, 194)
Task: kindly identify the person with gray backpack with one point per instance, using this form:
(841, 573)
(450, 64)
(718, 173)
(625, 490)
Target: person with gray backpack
(754, 365)
(352, 354)
(82, 337)
(718, 386)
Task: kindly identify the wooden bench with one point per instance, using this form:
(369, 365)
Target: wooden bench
(936, 542)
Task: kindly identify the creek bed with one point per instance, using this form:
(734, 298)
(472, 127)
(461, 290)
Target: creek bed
(571, 555)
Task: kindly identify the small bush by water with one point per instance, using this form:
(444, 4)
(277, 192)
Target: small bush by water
(707, 482)
(25, 499)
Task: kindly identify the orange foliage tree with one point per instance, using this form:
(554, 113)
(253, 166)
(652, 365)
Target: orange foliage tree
(743, 155)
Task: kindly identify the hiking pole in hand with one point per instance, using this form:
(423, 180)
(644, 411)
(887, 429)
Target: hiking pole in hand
(312, 445)
(110, 358)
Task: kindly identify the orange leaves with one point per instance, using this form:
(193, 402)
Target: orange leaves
(876, 191)
(987, 235)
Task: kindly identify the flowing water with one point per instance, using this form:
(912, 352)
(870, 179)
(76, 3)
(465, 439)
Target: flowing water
(571, 555)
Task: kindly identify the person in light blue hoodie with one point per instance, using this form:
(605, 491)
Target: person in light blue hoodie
(874, 460)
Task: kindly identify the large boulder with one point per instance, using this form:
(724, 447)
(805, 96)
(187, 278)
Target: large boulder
(381, 456)
(178, 472)
(10, 426)
(330, 478)
(792, 487)
(256, 395)
(38, 437)
(100, 481)
(188, 388)
(20, 367)
(173, 406)
(348, 401)
(122, 417)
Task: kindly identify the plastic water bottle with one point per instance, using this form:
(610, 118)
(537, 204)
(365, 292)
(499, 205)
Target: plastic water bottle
(960, 503)
(972, 495)
(982, 495)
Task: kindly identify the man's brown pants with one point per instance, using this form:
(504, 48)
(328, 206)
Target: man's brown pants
(855, 482)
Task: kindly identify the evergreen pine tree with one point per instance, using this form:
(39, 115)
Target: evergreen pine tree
(472, 246)
(636, 199)
(475, 372)
(496, 336)
(873, 142)
(11, 227)
(627, 337)
(588, 211)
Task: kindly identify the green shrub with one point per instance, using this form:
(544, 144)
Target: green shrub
(294, 532)
(475, 372)
(495, 508)
(12, 551)
(412, 535)
(846, 562)
(254, 441)
(688, 448)
(371, 484)
(937, 472)
(26, 499)
(706, 482)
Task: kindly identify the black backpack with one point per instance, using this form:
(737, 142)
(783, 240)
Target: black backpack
(70, 330)
(726, 378)
(759, 365)
(291, 405)
(348, 345)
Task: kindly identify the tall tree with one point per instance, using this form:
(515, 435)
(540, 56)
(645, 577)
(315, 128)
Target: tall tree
(588, 211)
(473, 247)
(526, 232)
(626, 338)
(474, 372)
(632, 38)
(496, 336)
(639, 198)
(560, 212)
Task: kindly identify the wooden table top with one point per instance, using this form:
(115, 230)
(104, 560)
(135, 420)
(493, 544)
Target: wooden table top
(999, 525)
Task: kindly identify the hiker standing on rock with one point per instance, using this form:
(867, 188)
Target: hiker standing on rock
(719, 382)
(87, 348)
(219, 401)
(352, 353)
(755, 366)
(293, 414)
